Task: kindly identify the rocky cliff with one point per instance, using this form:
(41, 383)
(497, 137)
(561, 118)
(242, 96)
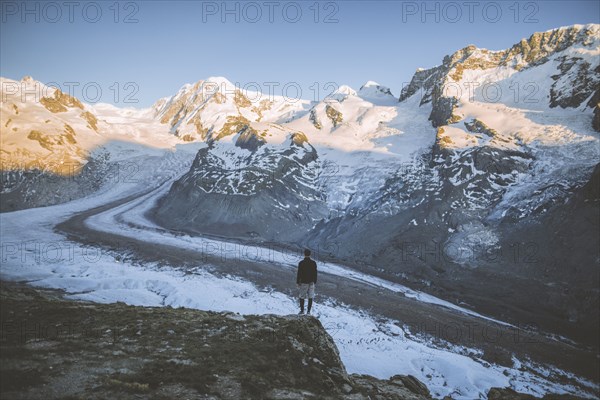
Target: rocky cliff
(53, 348)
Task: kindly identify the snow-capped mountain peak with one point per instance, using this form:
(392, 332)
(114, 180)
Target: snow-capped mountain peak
(27, 79)
(215, 108)
(220, 80)
(369, 84)
(342, 92)
(375, 92)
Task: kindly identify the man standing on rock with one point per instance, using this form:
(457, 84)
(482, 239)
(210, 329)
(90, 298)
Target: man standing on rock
(306, 280)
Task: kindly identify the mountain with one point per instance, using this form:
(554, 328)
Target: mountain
(43, 125)
(567, 55)
(485, 204)
(56, 148)
(46, 129)
(233, 185)
(461, 181)
(214, 108)
(478, 183)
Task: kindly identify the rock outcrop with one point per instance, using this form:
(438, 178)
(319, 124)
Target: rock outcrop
(97, 351)
(241, 194)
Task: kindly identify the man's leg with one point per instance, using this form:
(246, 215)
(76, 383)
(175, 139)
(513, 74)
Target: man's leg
(302, 306)
(311, 294)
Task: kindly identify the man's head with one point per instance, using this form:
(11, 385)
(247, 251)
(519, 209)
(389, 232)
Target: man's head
(306, 253)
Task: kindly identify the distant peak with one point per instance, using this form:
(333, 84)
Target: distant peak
(211, 84)
(219, 80)
(345, 89)
(374, 89)
(342, 92)
(217, 84)
(370, 84)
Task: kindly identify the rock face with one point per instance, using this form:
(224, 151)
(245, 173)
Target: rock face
(249, 139)
(575, 83)
(37, 188)
(60, 102)
(334, 115)
(596, 119)
(237, 194)
(509, 394)
(125, 352)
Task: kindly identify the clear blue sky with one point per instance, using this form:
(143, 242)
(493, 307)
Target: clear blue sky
(173, 43)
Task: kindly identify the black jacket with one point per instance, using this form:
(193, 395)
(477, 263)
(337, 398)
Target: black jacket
(307, 271)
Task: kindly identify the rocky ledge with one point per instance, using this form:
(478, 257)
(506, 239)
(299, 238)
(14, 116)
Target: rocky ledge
(55, 348)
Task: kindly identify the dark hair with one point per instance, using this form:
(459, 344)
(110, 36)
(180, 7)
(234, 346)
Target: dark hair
(306, 252)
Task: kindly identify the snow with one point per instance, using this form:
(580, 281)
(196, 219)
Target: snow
(129, 220)
(342, 92)
(560, 142)
(391, 131)
(591, 27)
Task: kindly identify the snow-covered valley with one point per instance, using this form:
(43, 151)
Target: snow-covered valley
(34, 252)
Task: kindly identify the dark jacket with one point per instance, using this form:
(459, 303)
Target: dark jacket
(307, 271)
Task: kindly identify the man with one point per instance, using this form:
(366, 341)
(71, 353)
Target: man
(306, 280)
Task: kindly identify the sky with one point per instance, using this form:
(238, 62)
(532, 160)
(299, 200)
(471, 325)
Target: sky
(131, 53)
